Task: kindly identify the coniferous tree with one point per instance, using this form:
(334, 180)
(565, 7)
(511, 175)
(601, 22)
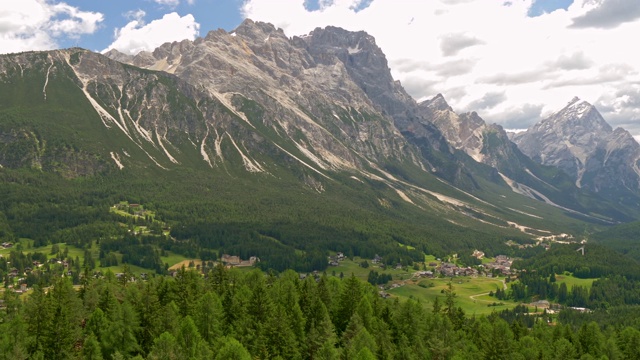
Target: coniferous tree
(232, 350)
(120, 333)
(191, 343)
(38, 318)
(63, 330)
(259, 310)
(628, 341)
(208, 317)
(349, 299)
(165, 347)
(91, 348)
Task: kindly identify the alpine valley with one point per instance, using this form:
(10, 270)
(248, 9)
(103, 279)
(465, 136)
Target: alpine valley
(256, 144)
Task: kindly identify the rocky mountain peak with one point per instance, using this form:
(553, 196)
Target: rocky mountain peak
(577, 115)
(437, 103)
(357, 50)
(474, 119)
(367, 66)
(580, 142)
(118, 56)
(258, 30)
(352, 41)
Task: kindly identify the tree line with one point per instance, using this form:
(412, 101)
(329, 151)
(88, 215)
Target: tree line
(230, 314)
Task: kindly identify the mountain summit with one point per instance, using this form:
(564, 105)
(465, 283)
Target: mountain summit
(579, 141)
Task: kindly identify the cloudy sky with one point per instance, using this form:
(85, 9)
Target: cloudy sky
(512, 61)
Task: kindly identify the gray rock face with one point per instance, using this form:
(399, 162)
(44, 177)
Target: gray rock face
(486, 143)
(367, 66)
(464, 132)
(579, 141)
(309, 98)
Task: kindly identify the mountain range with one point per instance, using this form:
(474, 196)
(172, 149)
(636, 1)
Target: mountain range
(313, 131)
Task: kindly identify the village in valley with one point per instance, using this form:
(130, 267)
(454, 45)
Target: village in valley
(499, 266)
(22, 265)
(475, 280)
(476, 285)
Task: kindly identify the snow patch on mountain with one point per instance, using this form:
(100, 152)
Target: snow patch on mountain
(354, 50)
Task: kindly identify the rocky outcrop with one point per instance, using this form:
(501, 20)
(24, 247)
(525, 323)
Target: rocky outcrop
(485, 143)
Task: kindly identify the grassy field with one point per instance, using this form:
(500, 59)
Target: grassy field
(430, 258)
(185, 263)
(571, 281)
(463, 287)
(136, 270)
(27, 246)
(486, 260)
(172, 258)
(348, 267)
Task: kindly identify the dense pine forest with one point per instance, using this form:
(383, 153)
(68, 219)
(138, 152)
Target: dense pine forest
(233, 314)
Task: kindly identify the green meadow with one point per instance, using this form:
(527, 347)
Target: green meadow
(468, 292)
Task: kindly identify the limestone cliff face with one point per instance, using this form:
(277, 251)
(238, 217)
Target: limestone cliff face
(310, 100)
(485, 143)
(367, 66)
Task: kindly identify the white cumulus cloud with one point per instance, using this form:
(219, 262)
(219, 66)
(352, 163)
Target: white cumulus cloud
(37, 24)
(172, 3)
(473, 50)
(137, 36)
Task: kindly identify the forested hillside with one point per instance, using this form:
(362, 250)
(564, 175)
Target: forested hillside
(286, 229)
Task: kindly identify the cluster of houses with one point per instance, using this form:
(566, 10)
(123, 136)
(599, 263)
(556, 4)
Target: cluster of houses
(335, 259)
(136, 209)
(315, 274)
(451, 270)
(229, 261)
(232, 260)
(7, 245)
(18, 289)
(14, 272)
(121, 276)
(385, 295)
(502, 264)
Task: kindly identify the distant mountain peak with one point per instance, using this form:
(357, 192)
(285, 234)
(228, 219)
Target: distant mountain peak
(258, 30)
(438, 103)
(578, 140)
(580, 113)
